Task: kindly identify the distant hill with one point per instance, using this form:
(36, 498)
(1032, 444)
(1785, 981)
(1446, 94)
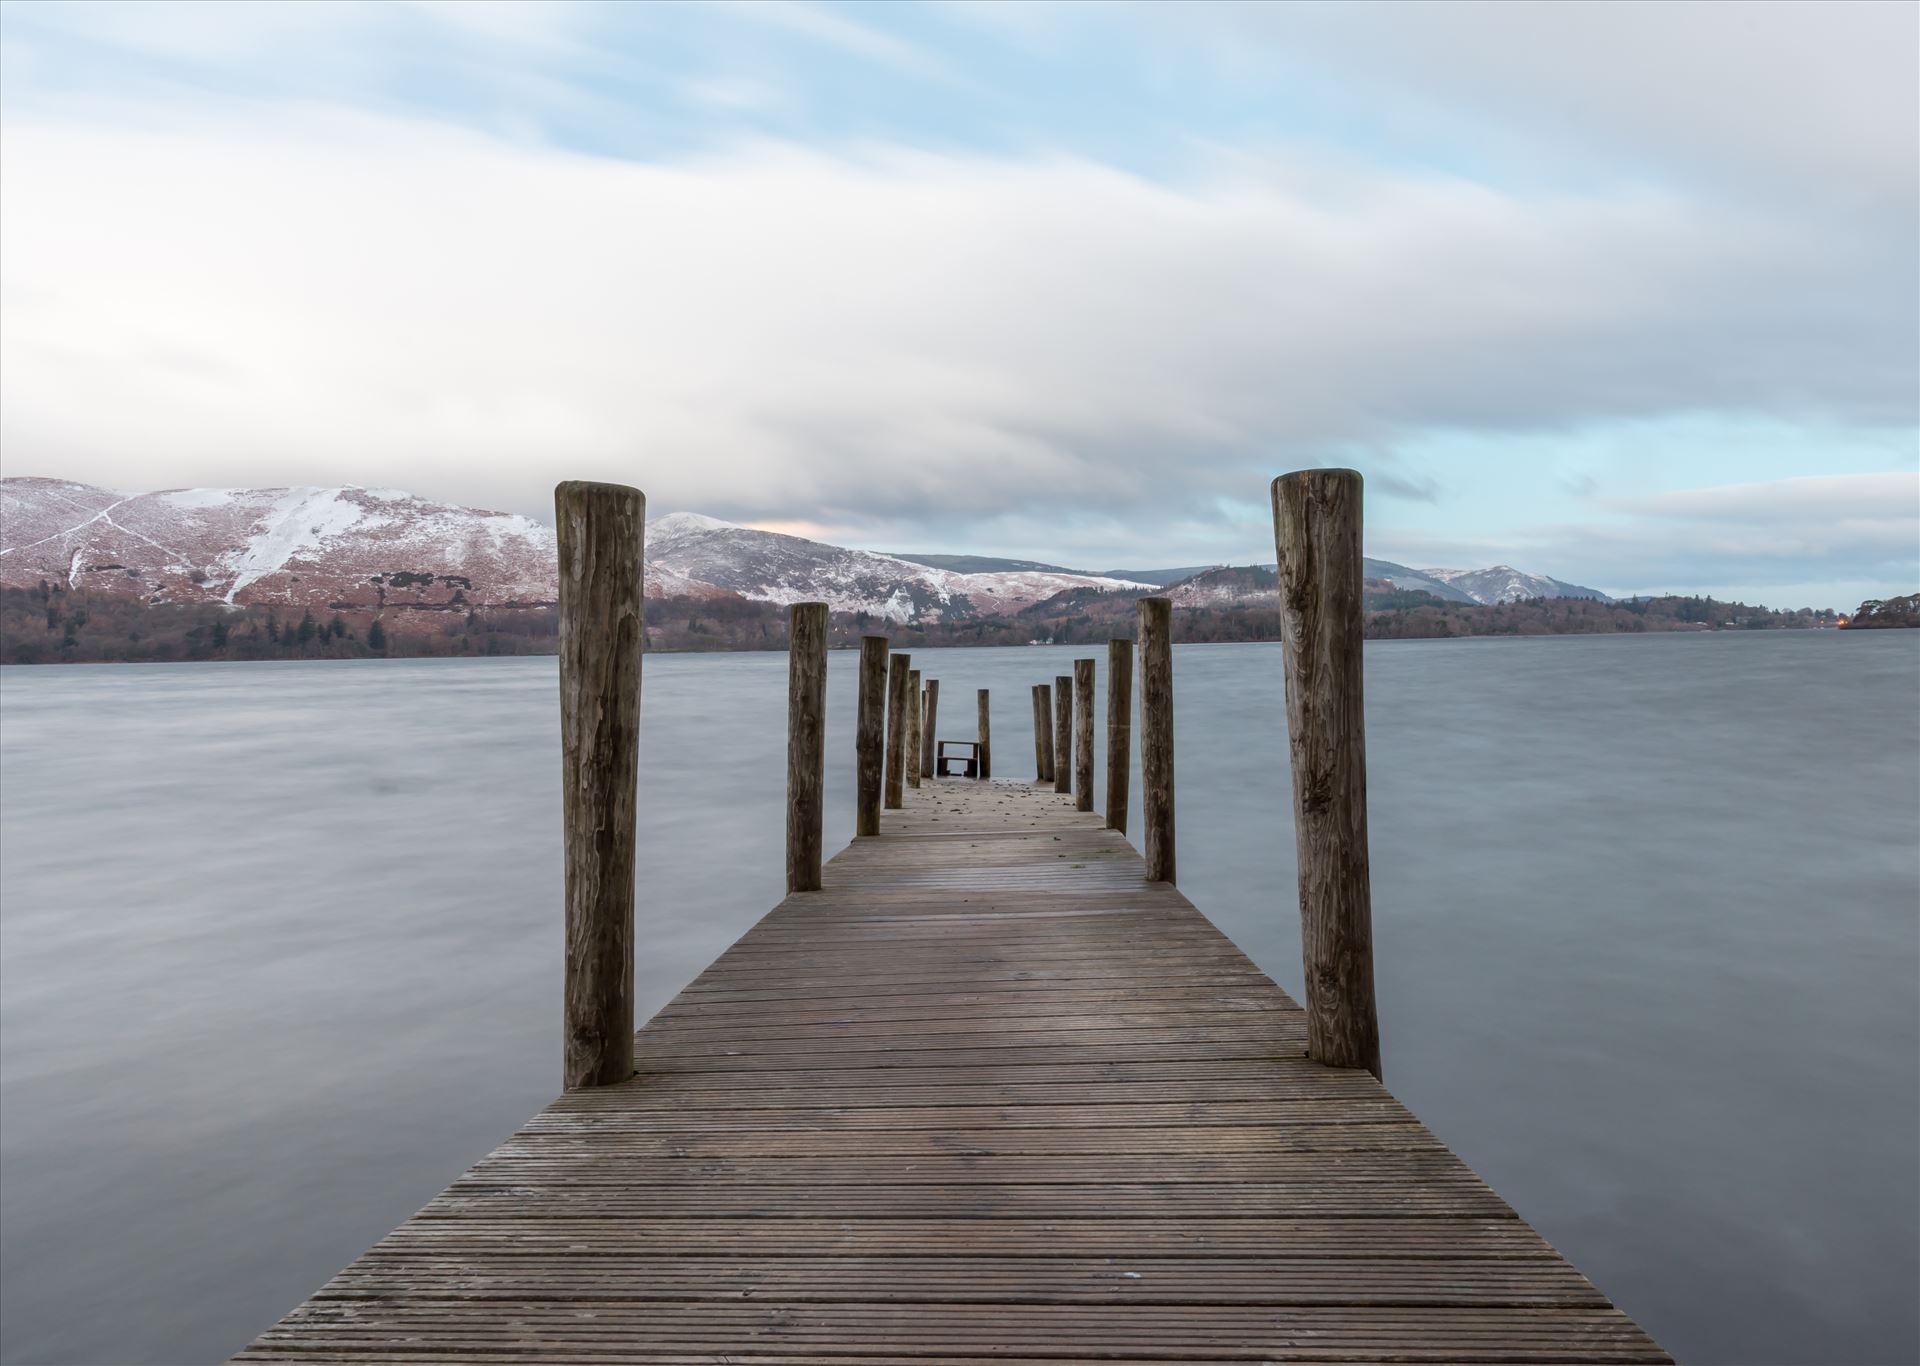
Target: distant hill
(386, 553)
(1500, 583)
(1161, 578)
(91, 573)
(1880, 613)
(987, 564)
(1504, 583)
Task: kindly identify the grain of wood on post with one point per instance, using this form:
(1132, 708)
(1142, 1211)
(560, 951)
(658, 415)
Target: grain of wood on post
(870, 736)
(1063, 733)
(1156, 736)
(601, 530)
(806, 742)
(1317, 538)
(897, 731)
(929, 714)
(1119, 731)
(1083, 734)
(986, 737)
(1042, 733)
(913, 728)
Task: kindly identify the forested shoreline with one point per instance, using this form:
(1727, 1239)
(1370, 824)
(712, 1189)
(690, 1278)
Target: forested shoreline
(52, 624)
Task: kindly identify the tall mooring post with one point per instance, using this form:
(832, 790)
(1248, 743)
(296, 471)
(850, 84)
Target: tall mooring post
(806, 742)
(1119, 731)
(1063, 732)
(929, 714)
(897, 730)
(1042, 733)
(1083, 734)
(913, 728)
(986, 737)
(1317, 537)
(601, 529)
(1156, 736)
(870, 736)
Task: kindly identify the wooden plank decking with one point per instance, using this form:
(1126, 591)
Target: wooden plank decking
(988, 1096)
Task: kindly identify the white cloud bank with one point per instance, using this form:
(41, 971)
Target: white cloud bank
(880, 337)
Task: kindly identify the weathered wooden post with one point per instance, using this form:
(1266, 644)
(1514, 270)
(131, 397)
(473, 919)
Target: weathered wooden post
(897, 730)
(929, 710)
(986, 738)
(1316, 534)
(1063, 732)
(1083, 734)
(870, 735)
(913, 728)
(601, 529)
(1156, 736)
(806, 742)
(1119, 731)
(1042, 733)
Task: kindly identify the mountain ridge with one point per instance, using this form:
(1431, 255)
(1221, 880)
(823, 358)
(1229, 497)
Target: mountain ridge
(376, 551)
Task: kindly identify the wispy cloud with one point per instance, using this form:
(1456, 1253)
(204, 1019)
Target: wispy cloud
(823, 25)
(1893, 498)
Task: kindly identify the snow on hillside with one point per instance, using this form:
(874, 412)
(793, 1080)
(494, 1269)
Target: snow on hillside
(302, 547)
(1504, 583)
(383, 549)
(378, 549)
(773, 567)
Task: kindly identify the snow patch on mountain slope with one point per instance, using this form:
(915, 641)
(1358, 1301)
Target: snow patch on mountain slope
(1503, 583)
(772, 567)
(676, 524)
(197, 498)
(301, 519)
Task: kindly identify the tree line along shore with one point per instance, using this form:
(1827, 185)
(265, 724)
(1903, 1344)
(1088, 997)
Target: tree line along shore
(52, 624)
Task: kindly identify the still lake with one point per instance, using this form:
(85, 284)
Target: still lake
(280, 950)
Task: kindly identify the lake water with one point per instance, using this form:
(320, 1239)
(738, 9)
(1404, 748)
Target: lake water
(282, 950)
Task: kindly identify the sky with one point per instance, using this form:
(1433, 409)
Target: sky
(1623, 293)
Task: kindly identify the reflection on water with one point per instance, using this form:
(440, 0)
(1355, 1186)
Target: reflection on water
(281, 951)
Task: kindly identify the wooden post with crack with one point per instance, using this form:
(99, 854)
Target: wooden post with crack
(601, 530)
(806, 742)
(1156, 737)
(897, 731)
(870, 736)
(1042, 732)
(1083, 734)
(1063, 733)
(929, 713)
(913, 728)
(1317, 537)
(1119, 731)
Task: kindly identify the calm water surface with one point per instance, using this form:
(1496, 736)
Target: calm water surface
(282, 951)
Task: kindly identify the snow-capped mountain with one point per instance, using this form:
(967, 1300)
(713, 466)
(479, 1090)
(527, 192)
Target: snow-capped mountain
(1504, 583)
(1418, 580)
(299, 547)
(377, 549)
(773, 567)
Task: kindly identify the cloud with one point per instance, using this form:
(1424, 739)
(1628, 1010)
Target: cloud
(1837, 538)
(823, 25)
(879, 334)
(1892, 498)
(1789, 98)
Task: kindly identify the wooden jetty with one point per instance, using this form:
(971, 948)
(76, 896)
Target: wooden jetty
(980, 1091)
